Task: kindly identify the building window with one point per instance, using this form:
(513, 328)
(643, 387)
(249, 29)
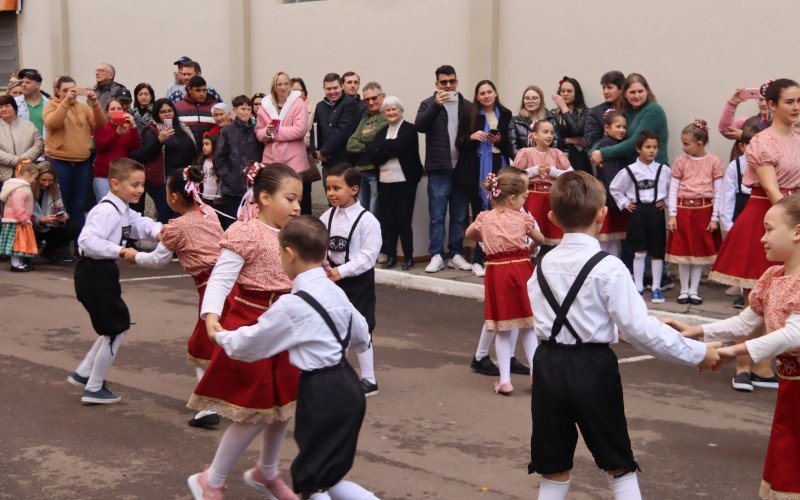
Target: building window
(9, 49)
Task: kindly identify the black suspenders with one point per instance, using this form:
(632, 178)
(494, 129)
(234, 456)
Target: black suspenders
(636, 184)
(738, 176)
(349, 236)
(329, 321)
(562, 309)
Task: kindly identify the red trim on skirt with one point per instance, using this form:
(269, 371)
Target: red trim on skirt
(258, 392)
(692, 243)
(506, 302)
(538, 205)
(781, 478)
(741, 259)
(615, 225)
(200, 347)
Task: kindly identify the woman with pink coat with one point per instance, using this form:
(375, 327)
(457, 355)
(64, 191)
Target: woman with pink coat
(282, 123)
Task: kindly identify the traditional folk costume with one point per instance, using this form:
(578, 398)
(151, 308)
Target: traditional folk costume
(537, 163)
(741, 259)
(774, 303)
(264, 391)
(316, 324)
(694, 198)
(616, 222)
(17, 238)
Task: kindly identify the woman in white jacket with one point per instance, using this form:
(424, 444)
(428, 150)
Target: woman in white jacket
(19, 139)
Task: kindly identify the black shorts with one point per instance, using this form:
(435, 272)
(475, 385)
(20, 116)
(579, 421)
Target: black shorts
(97, 288)
(578, 386)
(360, 291)
(647, 230)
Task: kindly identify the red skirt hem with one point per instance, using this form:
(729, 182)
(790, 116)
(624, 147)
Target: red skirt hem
(538, 204)
(780, 478)
(506, 302)
(691, 243)
(615, 225)
(200, 348)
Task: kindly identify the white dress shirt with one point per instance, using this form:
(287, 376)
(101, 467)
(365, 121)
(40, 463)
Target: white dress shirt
(623, 190)
(291, 323)
(365, 244)
(607, 302)
(746, 323)
(102, 235)
(391, 171)
(730, 186)
(158, 258)
(221, 282)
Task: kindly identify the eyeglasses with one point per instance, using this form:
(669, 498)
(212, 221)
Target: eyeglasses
(374, 98)
(167, 111)
(535, 98)
(452, 81)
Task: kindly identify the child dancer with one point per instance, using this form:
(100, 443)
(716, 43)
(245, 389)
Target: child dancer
(194, 237)
(694, 198)
(257, 396)
(641, 189)
(544, 164)
(17, 238)
(205, 161)
(774, 303)
(316, 324)
(581, 298)
(503, 232)
(354, 232)
(103, 239)
(616, 222)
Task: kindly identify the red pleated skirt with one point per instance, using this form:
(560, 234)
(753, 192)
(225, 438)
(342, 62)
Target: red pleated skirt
(538, 205)
(615, 225)
(200, 347)
(741, 259)
(258, 393)
(691, 243)
(781, 478)
(506, 304)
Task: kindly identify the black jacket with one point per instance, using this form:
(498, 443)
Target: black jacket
(236, 147)
(569, 125)
(432, 121)
(594, 128)
(405, 148)
(335, 124)
(611, 168)
(518, 131)
(468, 165)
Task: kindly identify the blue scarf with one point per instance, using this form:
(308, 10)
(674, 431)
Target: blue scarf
(485, 158)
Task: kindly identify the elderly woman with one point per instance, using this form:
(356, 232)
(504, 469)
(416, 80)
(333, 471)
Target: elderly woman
(395, 151)
(19, 139)
(50, 220)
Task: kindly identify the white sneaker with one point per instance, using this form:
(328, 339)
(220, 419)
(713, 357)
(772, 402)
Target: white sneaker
(733, 291)
(459, 262)
(382, 258)
(436, 264)
(478, 270)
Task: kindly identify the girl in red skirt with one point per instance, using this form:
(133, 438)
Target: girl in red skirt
(260, 396)
(615, 225)
(544, 165)
(694, 198)
(504, 231)
(194, 237)
(774, 304)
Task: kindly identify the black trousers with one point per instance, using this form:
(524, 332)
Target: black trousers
(397, 211)
(306, 206)
(360, 291)
(59, 237)
(228, 205)
(97, 288)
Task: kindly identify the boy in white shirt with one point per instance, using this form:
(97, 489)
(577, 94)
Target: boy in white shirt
(580, 298)
(316, 324)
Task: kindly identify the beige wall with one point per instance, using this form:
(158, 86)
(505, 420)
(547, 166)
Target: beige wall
(693, 53)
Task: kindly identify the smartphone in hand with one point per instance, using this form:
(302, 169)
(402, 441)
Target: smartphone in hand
(749, 94)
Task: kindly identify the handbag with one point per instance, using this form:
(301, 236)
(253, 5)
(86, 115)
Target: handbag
(311, 174)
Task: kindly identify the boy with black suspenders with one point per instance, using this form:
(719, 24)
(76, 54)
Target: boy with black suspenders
(580, 298)
(316, 324)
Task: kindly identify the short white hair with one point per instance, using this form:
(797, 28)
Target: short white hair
(392, 101)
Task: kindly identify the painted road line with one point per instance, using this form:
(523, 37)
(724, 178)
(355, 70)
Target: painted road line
(146, 278)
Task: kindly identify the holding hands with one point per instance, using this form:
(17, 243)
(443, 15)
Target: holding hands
(129, 254)
(716, 354)
(213, 326)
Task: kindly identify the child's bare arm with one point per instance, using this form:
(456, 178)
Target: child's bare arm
(472, 233)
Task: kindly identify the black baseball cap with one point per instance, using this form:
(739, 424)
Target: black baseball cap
(123, 94)
(31, 74)
(182, 61)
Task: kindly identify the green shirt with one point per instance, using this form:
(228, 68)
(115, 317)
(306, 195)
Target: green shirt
(650, 117)
(35, 115)
(364, 134)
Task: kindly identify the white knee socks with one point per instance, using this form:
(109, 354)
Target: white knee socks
(84, 369)
(366, 364)
(684, 272)
(611, 246)
(348, 490)
(483, 344)
(16, 261)
(694, 284)
(503, 348)
(553, 490)
(638, 270)
(103, 358)
(269, 459)
(690, 277)
(625, 487)
(656, 267)
(529, 343)
(233, 443)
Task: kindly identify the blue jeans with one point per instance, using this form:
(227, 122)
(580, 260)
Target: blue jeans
(368, 194)
(440, 195)
(73, 178)
(101, 188)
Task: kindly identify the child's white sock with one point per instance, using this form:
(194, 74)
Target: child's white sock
(269, 460)
(656, 268)
(529, 342)
(553, 490)
(514, 337)
(685, 272)
(102, 361)
(84, 369)
(697, 272)
(200, 372)
(237, 437)
(366, 364)
(638, 270)
(503, 348)
(348, 490)
(16, 261)
(625, 487)
(487, 336)
(611, 246)
(320, 495)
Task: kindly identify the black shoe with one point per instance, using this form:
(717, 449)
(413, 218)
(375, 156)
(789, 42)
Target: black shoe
(485, 367)
(683, 298)
(206, 421)
(695, 299)
(390, 263)
(369, 388)
(738, 302)
(742, 382)
(667, 283)
(408, 264)
(67, 258)
(769, 383)
(20, 269)
(519, 368)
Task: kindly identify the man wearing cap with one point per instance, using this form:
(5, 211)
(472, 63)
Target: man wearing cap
(189, 70)
(180, 81)
(31, 103)
(106, 88)
(123, 95)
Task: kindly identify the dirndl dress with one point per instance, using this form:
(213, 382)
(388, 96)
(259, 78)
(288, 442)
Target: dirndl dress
(506, 304)
(18, 240)
(781, 478)
(200, 348)
(538, 205)
(692, 243)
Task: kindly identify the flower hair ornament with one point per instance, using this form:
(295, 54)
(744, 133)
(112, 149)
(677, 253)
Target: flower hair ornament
(608, 112)
(701, 124)
(494, 191)
(193, 189)
(563, 80)
(248, 204)
(763, 89)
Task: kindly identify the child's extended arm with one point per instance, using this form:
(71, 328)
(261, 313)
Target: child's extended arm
(727, 197)
(272, 333)
(767, 346)
(715, 210)
(222, 279)
(473, 233)
(672, 203)
(619, 189)
(159, 257)
(144, 228)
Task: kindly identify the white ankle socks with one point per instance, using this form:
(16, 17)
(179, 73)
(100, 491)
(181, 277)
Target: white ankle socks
(625, 487)
(487, 336)
(553, 490)
(366, 364)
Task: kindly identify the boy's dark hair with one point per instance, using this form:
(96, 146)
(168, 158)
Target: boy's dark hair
(350, 73)
(347, 172)
(645, 135)
(240, 100)
(575, 199)
(613, 78)
(194, 65)
(445, 69)
(177, 184)
(748, 132)
(196, 82)
(332, 77)
(307, 236)
(121, 168)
